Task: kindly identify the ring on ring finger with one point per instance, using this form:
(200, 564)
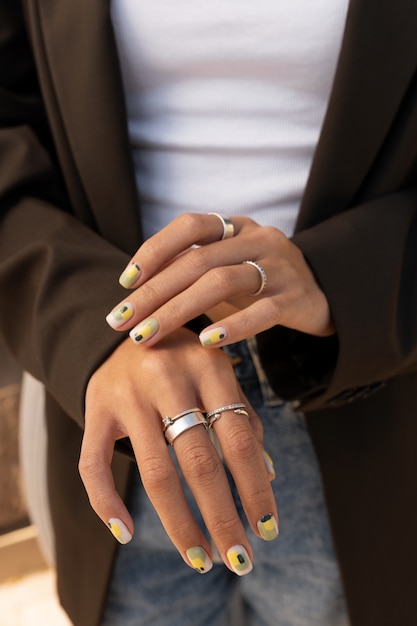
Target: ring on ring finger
(238, 408)
(262, 275)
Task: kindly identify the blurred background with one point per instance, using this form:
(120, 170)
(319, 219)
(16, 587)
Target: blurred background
(27, 583)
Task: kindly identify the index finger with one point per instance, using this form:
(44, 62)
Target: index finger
(178, 236)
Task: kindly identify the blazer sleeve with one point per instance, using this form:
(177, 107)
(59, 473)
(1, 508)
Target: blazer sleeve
(58, 278)
(365, 260)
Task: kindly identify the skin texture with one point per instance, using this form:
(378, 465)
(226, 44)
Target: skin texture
(150, 385)
(177, 282)
(171, 280)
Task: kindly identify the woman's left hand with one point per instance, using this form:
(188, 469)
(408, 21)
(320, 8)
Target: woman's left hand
(187, 269)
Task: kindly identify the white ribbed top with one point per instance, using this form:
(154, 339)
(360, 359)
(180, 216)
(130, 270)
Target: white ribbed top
(225, 102)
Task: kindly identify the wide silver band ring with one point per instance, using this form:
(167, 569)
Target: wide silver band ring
(262, 274)
(228, 226)
(212, 416)
(168, 421)
(182, 424)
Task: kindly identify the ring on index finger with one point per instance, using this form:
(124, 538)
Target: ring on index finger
(228, 226)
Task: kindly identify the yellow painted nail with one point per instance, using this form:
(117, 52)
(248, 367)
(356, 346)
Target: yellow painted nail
(120, 314)
(199, 559)
(145, 330)
(268, 527)
(129, 276)
(119, 530)
(213, 336)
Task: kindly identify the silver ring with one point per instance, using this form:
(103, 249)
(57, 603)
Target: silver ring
(182, 424)
(228, 226)
(168, 421)
(212, 416)
(262, 274)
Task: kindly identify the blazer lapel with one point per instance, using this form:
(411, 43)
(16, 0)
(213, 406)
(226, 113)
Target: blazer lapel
(377, 60)
(82, 62)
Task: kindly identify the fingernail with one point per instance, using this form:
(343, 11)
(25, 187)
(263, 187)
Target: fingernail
(268, 527)
(269, 464)
(239, 560)
(119, 530)
(213, 336)
(199, 559)
(145, 330)
(120, 314)
(129, 276)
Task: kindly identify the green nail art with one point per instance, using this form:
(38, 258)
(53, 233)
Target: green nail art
(199, 559)
(268, 527)
(144, 330)
(130, 275)
(120, 315)
(213, 336)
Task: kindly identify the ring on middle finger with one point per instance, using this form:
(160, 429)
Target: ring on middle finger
(227, 224)
(183, 423)
(212, 416)
(168, 421)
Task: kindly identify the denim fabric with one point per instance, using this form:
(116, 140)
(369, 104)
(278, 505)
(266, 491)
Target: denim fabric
(295, 580)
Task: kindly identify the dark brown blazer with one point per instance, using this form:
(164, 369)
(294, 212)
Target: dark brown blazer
(69, 219)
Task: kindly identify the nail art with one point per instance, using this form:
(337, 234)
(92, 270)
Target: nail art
(119, 530)
(199, 559)
(129, 276)
(239, 560)
(213, 336)
(120, 314)
(269, 464)
(268, 527)
(145, 330)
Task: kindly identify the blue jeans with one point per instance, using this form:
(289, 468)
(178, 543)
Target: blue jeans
(295, 580)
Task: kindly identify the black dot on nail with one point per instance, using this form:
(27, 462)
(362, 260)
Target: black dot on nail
(138, 337)
(222, 336)
(240, 559)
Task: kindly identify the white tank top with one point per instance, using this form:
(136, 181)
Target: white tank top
(225, 102)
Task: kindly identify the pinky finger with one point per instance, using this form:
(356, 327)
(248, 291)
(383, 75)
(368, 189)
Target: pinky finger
(238, 326)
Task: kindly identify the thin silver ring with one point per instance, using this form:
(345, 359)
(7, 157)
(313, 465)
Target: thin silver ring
(262, 274)
(168, 421)
(228, 226)
(212, 416)
(184, 423)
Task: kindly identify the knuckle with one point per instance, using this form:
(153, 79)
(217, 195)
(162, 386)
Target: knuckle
(242, 444)
(156, 475)
(225, 526)
(222, 277)
(202, 466)
(190, 221)
(197, 260)
(88, 467)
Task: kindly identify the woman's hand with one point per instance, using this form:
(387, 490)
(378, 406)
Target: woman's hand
(174, 281)
(128, 396)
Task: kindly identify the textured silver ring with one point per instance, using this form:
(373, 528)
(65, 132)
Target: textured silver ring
(262, 274)
(228, 226)
(168, 421)
(182, 424)
(212, 416)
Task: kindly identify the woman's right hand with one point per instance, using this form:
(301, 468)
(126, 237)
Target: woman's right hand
(128, 396)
